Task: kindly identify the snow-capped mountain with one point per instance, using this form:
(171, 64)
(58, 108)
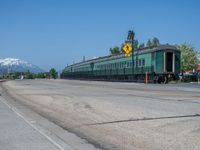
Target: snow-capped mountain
(17, 65)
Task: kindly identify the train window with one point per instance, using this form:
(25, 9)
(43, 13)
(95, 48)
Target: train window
(143, 62)
(130, 64)
(136, 63)
(140, 63)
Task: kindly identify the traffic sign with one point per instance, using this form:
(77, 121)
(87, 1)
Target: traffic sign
(127, 48)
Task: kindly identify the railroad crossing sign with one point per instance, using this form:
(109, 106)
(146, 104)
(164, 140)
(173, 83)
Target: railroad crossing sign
(127, 48)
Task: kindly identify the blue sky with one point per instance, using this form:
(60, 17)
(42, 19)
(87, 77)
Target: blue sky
(54, 33)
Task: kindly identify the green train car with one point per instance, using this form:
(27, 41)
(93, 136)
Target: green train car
(161, 63)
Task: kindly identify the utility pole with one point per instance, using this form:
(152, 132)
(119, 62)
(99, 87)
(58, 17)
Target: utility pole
(130, 38)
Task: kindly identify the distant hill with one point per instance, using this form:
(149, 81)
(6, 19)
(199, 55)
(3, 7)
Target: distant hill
(17, 65)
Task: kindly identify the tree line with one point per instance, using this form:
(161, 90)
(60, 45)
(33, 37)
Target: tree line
(136, 45)
(51, 74)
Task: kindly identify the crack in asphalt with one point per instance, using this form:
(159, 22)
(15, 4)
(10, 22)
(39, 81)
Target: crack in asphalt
(144, 119)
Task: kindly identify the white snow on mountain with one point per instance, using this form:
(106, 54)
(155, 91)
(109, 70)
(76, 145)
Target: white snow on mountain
(17, 65)
(14, 61)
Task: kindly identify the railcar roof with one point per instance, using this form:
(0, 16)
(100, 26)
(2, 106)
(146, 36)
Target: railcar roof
(139, 51)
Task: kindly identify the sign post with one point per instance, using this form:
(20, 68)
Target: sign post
(129, 47)
(130, 38)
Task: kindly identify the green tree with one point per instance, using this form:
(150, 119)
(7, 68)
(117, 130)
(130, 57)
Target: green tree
(149, 43)
(29, 75)
(53, 73)
(141, 45)
(155, 41)
(188, 56)
(41, 75)
(115, 50)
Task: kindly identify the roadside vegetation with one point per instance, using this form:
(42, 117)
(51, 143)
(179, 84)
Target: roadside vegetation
(51, 74)
(136, 45)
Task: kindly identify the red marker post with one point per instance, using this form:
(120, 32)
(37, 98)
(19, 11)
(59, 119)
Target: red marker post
(146, 78)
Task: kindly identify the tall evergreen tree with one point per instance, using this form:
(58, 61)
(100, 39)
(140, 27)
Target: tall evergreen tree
(149, 43)
(155, 41)
(141, 45)
(135, 44)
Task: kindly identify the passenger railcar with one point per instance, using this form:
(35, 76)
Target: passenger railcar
(161, 63)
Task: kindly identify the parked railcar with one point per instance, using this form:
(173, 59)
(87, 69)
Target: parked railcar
(161, 63)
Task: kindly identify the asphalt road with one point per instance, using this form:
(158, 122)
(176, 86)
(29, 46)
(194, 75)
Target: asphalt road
(112, 115)
(17, 134)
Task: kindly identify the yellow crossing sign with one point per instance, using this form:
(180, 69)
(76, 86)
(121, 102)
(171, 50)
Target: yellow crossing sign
(127, 48)
(127, 54)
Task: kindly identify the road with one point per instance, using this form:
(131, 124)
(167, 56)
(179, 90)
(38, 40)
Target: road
(116, 116)
(16, 133)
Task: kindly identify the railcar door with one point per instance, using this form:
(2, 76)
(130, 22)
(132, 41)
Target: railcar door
(169, 62)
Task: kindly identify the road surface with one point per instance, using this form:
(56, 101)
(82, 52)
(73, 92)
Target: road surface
(116, 116)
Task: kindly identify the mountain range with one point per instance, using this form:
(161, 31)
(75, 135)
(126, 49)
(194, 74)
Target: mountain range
(9, 65)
